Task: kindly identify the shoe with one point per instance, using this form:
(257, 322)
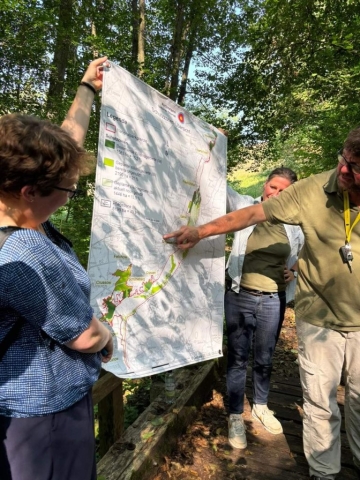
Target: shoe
(266, 417)
(237, 435)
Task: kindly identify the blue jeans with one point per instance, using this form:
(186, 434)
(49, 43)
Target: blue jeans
(251, 320)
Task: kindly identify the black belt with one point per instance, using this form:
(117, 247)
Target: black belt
(256, 292)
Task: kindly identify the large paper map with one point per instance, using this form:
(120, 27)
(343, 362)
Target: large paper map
(159, 167)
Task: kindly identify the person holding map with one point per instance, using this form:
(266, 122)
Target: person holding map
(326, 207)
(261, 273)
(49, 337)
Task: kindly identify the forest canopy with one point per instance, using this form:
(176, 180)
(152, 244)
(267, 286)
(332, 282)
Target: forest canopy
(283, 77)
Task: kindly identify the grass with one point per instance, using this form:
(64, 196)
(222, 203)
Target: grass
(247, 182)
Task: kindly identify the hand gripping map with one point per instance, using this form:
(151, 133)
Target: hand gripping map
(159, 167)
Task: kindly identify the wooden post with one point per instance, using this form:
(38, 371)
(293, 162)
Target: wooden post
(107, 393)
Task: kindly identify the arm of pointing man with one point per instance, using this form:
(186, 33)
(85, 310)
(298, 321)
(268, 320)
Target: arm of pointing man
(188, 237)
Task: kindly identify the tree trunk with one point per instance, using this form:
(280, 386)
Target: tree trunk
(171, 85)
(138, 37)
(135, 34)
(61, 54)
(93, 34)
(141, 39)
(185, 75)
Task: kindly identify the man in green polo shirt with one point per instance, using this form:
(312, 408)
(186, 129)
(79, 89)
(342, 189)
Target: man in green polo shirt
(326, 206)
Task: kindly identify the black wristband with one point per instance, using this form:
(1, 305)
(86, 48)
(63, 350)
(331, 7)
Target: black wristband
(89, 86)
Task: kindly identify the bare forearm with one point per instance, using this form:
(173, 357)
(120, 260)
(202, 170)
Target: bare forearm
(93, 339)
(233, 221)
(77, 119)
(188, 237)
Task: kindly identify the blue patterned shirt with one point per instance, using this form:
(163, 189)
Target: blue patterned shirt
(42, 281)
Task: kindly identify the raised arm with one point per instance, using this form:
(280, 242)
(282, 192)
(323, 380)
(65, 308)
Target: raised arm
(77, 119)
(188, 237)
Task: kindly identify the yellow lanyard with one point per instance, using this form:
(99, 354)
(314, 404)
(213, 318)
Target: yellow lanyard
(348, 227)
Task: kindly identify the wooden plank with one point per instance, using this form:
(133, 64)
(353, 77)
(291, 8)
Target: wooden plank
(288, 414)
(295, 445)
(155, 432)
(284, 389)
(288, 408)
(295, 381)
(280, 397)
(253, 470)
(295, 429)
(104, 386)
(106, 428)
(108, 395)
(118, 412)
(268, 451)
(287, 381)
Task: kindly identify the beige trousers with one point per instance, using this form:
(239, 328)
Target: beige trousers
(322, 354)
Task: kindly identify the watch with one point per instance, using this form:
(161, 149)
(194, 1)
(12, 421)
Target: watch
(295, 273)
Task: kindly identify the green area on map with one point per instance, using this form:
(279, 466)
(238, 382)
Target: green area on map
(121, 284)
(106, 182)
(109, 162)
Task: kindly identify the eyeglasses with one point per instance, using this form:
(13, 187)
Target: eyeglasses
(352, 166)
(71, 193)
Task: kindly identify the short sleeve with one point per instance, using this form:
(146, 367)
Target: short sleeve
(40, 287)
(285, 208)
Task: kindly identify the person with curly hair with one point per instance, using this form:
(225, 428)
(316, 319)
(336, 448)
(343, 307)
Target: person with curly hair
(50, 340)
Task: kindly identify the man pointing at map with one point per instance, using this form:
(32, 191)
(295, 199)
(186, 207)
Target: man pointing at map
(327, 302)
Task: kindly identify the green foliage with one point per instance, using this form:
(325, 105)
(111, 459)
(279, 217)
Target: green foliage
(74, 220)
(282, 77)
(136, 398)
(46, 45)
(293, 78)
(24, 34)
(131, 413)
(248, 183)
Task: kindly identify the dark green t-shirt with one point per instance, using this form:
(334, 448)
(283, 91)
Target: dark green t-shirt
(266, 253)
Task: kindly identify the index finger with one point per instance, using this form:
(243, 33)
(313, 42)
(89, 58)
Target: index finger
(175, 234)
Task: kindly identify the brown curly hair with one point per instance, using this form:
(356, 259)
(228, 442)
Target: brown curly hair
(37, 152)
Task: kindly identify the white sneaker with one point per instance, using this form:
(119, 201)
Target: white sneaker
(237, 436)
(266, 417)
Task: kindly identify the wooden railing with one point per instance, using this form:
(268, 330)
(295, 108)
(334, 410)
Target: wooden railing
(108, 395)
